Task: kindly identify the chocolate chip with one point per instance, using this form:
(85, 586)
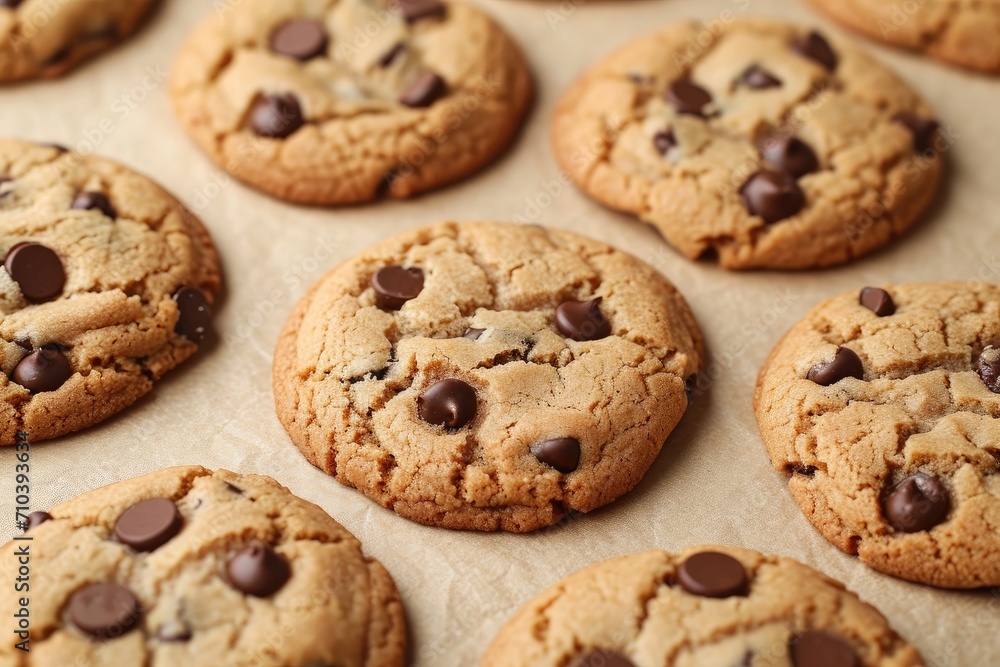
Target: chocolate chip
(234, 488)
(562, 454)
(10, 3)
(790, 155)
(665, 141)
(36, 519)
(43, 370)
(149, 524)
(802, 469)
(924, 130)
(174, 631)
(414, 10)
(104, 610)
(582, 320)
(816, 648)
(989, 368)
(276, 116)
(427, 89)
(918, 503)
(395, 285)
(600, 657)
(59, 148)
(713, 575)
(449, 403)
(878, 301)
(258, 570)
(37, 270)
(473, 334)
(301, 39)
(94, 201)
(194, 319)
(391, 55)
(846, 364)
(758, 78)
(815, 47)
(773, 195)
(688, 98)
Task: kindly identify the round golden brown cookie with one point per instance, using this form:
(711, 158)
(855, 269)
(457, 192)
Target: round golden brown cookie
(185, 566)
(706, 607)
(960, 32)
(106, 285)
(487, 376)
(46, 38)
(883, 406)
(344, 101)
(761, 143)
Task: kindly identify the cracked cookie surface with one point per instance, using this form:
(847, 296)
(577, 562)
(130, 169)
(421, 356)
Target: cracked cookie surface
(516, 374)
(345, 101)
(759, 143)
(40, 38)
(657, 609)
(106, 286)
(884, 413)
(960, 32)
(184, 594)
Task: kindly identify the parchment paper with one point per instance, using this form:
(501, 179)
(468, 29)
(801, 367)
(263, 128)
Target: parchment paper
(713, 482)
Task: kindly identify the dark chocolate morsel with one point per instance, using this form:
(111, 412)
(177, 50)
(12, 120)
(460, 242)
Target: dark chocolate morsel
(414, 10)
(713, 575)
(758, 78)
(817, 648)
(918, 503)
(425, 90)
(924, 130)
(450, 403)
(600, 657)
(104, 610)
(846, 364)
(258, 570)
(149, 524)
(94, 201)
(36, 519)
(582, 320)
(773, 195)
(989, 368)
(43, 370)
(276, 116)
(790, 155)
(37, 270)
(395, 285)
(878, 301)
(194, 319)
(688, 98)
(301, 39)
(563, 454)
(815, 47)
(665, 141)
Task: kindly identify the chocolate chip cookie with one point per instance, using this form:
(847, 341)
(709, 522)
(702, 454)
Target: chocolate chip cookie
(487, 376)
(883, 407)
(107, 284)
(345, 101)
(46, 38)
(755, 142)
(960, 32)
(710, 606)
(186, 566)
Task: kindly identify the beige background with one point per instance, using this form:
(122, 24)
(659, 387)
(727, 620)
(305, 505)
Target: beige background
(713, 482)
